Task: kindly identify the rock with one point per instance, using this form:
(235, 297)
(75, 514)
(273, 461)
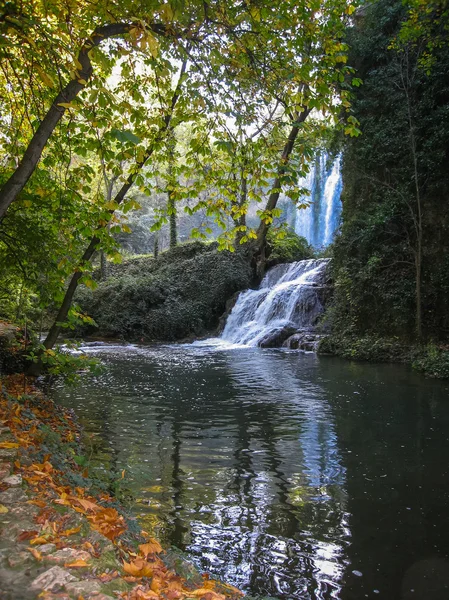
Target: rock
(53, 580)
(99, 596)
(276, 338)
(47, 548)
(68, 555)
(8, 453)
(18, 558)
(12, 496)
(83, 588)
(13, 480)
(4, 472)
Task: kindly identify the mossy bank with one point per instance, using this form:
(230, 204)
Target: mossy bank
(180, 294)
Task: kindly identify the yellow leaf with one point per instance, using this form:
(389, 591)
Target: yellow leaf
(37, 555)
(152, 547)
(9, 445)
(38, 541)
(153, 44)
(45, 77)
(3, 509)
(77, 564)
(66, 104)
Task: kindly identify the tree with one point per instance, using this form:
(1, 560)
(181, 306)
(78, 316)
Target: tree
(94, 102)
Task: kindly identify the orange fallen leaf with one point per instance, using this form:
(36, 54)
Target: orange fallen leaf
(77, 563)
(39, 503)
(26, 535)
(39, 540)
(71, 531)
(87, 504)
(202, 592)
(139, 568)
(152, 547)
(37, 555)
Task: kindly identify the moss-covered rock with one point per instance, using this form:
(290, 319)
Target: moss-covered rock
(286, 247)
(180, 294)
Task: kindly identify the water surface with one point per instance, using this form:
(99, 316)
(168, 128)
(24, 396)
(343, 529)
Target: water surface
(285, 474)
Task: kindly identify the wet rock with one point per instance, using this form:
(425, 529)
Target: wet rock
(68, 555)
(276, 338)
(83, 588)
(53, 580)
(13, 480)
(47, 549)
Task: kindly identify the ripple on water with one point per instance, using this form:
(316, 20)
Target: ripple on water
(282, 473)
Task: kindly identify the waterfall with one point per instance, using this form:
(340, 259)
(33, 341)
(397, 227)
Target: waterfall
(318, 222)
(287, 302)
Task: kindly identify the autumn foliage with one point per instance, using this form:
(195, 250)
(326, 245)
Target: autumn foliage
(23, 410)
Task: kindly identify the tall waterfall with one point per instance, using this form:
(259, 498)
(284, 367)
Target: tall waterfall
(318, 222)
(288, 301)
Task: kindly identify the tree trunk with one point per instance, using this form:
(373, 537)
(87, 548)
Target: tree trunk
(15, 184)
(156, 245)
(36, 368)
(171, 204)
(241, 220)
(259, 254)
(173, 224)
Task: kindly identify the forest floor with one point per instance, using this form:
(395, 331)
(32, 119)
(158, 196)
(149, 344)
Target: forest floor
(61, 537)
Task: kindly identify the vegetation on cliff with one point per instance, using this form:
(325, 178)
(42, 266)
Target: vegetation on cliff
(390, 264)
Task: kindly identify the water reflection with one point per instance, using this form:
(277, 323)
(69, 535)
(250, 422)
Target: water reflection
(281, 473)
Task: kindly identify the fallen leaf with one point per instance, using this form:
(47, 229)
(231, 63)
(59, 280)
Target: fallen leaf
(37, 555)
(40, 540)
(152, 547)
(139, 568)
(71, 531)
(26, 535)
(77, 563)
(3, 509)
(9, 445)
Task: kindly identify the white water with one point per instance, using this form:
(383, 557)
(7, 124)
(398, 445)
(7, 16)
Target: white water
(287, 297)
(319, 221)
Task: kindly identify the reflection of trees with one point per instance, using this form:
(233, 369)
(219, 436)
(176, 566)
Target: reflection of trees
(255, 418)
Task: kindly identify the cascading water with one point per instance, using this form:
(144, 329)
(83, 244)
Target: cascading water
(287, 301)
(318, 222)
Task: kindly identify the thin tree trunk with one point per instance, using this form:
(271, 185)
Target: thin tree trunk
(15, 184)
(36, 368)
(173, 224)
(171, 204)
(156, 245)
(241, 220)
(276, 190)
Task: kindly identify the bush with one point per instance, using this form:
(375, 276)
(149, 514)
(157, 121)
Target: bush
(284, 246)
(433, 361)
(182, 293)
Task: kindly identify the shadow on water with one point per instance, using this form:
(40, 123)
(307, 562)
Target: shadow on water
(285, 474)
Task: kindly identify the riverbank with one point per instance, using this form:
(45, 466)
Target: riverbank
(62, 535)
(431, 359)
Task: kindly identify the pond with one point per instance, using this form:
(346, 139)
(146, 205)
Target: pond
(286, 474)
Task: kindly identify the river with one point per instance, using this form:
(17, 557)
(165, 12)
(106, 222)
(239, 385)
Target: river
(288, 475)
